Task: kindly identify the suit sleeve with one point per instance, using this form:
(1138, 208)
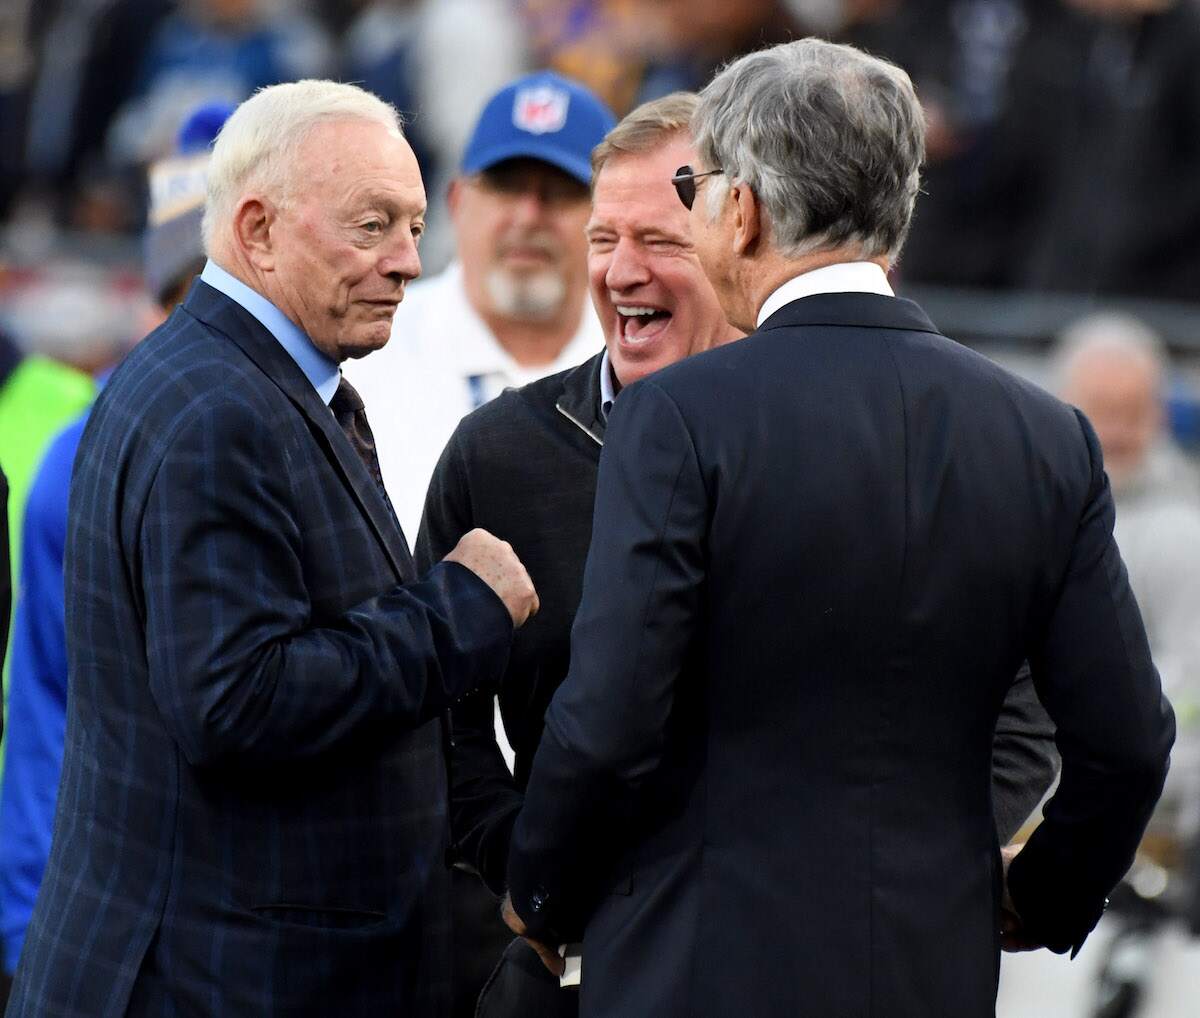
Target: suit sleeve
(484, 797)
(1092, 670)
(237, 667)
(605, 728)
(1024, 760)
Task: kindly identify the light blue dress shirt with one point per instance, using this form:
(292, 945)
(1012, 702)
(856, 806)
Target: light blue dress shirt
(318, 368)
(608, 393)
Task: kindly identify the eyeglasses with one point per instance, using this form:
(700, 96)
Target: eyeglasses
(685, 184)
(517, 178)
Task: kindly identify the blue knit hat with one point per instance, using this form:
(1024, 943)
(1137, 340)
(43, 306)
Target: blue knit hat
(172, 245)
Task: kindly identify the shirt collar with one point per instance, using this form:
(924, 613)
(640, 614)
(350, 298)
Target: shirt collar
(607, 389)
(845, 277)
(321, 370)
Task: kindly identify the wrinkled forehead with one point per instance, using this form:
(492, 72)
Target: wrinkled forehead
(349, 156)
(339, 147)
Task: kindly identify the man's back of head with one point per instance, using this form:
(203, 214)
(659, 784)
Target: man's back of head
(813, 153)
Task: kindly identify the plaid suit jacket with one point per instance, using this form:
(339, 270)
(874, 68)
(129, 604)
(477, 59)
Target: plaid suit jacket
(252, 817)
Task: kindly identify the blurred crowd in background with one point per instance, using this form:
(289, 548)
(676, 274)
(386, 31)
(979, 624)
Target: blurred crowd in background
(1059, 232)
(1063, 151)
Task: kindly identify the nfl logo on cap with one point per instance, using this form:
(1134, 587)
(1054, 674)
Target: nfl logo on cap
(541, 109)
(541, 116)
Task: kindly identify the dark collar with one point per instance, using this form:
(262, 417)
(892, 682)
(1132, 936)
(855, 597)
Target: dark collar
(229, 318)
(859, 310)
(579, 400)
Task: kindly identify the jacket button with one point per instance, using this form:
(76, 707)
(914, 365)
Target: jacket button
(537, 901)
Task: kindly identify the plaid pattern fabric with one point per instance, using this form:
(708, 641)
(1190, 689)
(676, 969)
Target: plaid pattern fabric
(252, 816)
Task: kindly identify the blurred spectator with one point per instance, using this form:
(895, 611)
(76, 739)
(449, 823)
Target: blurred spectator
(5, 611)
(73, 312)
(698, 36)
(601, 43)
(28, 789)
(1114, 369)
(88, 54)
(37, 397)
(1062, 150)
(337, 15)
(1120, 200)
(212, 49)
(986, 72)
(514, 306)
(5, 583)
(438, 62)
(172, 253)
(16, 76)
(629, 51)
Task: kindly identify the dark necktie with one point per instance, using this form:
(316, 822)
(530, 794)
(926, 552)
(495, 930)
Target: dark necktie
(347, 407)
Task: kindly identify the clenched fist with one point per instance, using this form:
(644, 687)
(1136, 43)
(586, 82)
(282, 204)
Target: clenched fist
(494, 562)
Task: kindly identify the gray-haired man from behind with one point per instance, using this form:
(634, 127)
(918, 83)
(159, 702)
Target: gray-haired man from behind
(548, 437)
(819, 555)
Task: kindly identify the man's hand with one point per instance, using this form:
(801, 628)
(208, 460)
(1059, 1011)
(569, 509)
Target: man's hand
(549, 956)
(1012, 930)
(494, 562)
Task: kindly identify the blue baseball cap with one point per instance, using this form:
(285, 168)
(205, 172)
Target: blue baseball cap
(540, 116)
(198, 132)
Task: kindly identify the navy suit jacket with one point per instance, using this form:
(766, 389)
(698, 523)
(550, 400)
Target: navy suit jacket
(819, 556)
(252, 816)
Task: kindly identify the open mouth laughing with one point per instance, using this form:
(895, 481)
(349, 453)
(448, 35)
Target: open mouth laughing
(641, 323)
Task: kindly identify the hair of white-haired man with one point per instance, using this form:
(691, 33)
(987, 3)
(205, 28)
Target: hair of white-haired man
(256, 147)
(829, 139)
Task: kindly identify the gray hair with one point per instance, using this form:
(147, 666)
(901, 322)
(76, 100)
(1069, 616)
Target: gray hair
(646, 127)
(1112, 333)
(828, 138)
(257, 146)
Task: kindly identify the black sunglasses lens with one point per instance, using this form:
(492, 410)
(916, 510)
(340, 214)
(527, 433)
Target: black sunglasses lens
(685, 186)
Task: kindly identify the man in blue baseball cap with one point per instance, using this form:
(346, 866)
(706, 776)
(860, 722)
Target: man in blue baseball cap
(513, 307)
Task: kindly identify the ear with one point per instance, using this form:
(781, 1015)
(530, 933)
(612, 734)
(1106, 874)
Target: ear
(253, 222)
(454, 196)
(747, 224)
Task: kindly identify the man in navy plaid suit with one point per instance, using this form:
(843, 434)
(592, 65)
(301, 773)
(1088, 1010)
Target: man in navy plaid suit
(252, 816)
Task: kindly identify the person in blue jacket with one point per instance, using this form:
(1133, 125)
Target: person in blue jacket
(38, 691)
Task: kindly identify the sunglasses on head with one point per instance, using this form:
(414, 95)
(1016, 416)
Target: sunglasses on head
(685, 184)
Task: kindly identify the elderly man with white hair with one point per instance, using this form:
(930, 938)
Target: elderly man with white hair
(819, 555)
(252, 814)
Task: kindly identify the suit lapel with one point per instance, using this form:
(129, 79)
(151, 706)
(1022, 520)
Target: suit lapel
(236, 323)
